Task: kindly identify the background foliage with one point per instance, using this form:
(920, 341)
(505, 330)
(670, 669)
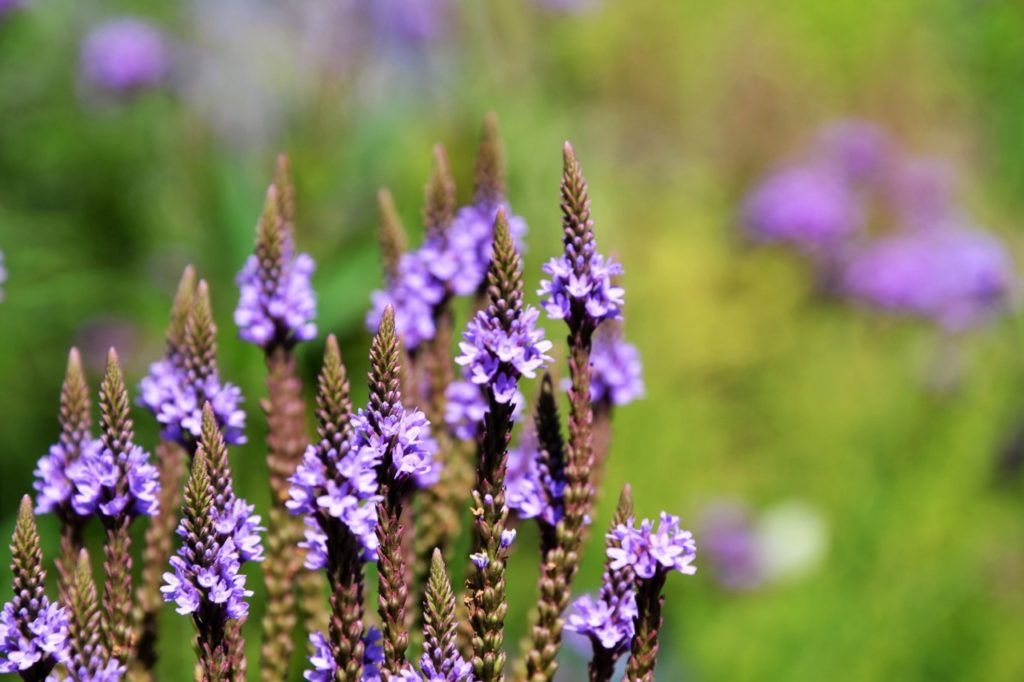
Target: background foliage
(758, 388)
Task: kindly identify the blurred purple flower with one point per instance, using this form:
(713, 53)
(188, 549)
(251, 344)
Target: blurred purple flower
(411, 22)
(617, 373)
(958, 277)
(8, 7)
(3, 271)
(729, 541)
(811, 207)
(124, 55)
(860, 149)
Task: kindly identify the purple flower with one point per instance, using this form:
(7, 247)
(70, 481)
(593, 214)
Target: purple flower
(177, 403)
(237, 521)
(812, 207)
(401, 440)
(649, 551)
(96, 475)
(52, 482)
(206, 570)
(340, 483)
(508, 537)
(7, 7)
(31, 630)
(454, 669)
(325, 667)
(466, 407)
(609, 620)
(729, 541)
(595, 291)
(124, 55)
(480, 559)
(277, 304)
(531, 490)
(494, 356)
(414, 293)
(955, 276)
(469, 239)
(860, 149)
(616, 371)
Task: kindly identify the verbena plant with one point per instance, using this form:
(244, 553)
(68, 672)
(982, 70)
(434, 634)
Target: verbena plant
(386, 483)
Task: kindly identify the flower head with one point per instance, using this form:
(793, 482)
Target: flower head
(33, 631)
(124, 55)
(325, 667)
(812, 207)
(616, 370)
(178, 386)
(955, 276)
(276, 304)
(649, 551)
(610, 622)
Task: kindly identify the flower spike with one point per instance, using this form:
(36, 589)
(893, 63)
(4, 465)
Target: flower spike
(391, 235)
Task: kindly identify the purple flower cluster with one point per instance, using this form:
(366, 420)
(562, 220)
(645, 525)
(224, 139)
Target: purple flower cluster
(99, 671)
(325, 667)
(497, 358)
(124, 55)
(278, 304)
(811, 207)
(648, 551)
(466, 407)
(595, 291)
(177, 403)
(454, 262)
(31, 630)
(52, 482)
(931, 263)
(531, 489)
(616, 371)
(955, 276)
(340, 483)
(404, 434)
(729, 542)
(607, 618)
(206, 570)
(95, 477)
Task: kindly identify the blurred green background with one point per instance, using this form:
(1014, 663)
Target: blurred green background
(758, 389)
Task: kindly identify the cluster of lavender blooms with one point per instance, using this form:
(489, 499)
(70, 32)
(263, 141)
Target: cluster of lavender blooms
(885, 228)
(125, 55)
(350, 490)
(186, 378)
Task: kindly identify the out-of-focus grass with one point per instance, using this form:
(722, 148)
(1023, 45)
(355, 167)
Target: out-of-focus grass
(757, 387)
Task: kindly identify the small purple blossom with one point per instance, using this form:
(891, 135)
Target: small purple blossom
(237, 521)
(348, 493)
(206, 570)
(480, 560)
(52, 482)
(278, 305)
(470, 237)
(95, 477)
(404, 435)
(414, 293)
(124, 55)
(608, 620)
(616, 370)
(496, 357)
(596, 291)
(325, 667)
(811, 207)
(454, 669)
(508, 537)
(532, 492)
(177, 403)
(729, 541)
(466, 407)
(648, 550)
(30, 632)
(957, 277)
(99, 671)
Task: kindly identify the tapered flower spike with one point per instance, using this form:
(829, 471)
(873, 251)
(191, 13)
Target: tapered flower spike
(33, 631)
(55, 490)
(285, 194)
(391, 235)
(581, 292)
(608, 620)
(500, 345)
(489, 185)
(441, 659)
(88, 658)
(336, 488)
(439, 200)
